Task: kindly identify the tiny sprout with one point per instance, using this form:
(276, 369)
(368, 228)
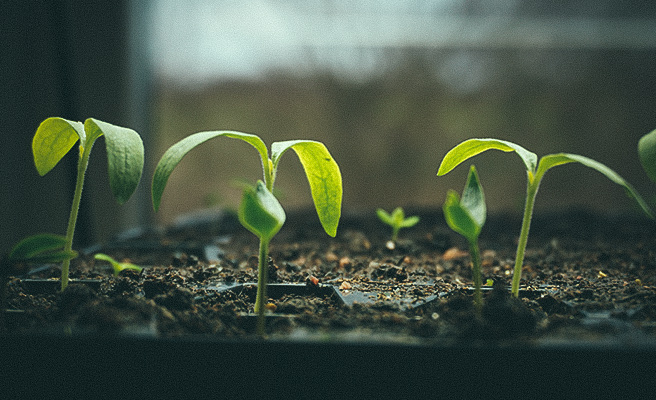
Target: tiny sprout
(467, 216)
(118, 267)
(535, 170)
(37, 249)
(396, 220)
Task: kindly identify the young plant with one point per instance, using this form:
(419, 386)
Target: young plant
(261, 213)
(125, 159)
(647, 154)
(396, 220)
(117, 267)
(534, 172)
(320, 168)
(37, 249)
(466, 216)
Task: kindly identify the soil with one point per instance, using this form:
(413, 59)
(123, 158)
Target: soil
(587, 278)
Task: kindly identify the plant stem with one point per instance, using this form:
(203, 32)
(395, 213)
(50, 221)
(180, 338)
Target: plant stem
(262, 272)
(82, 163)
(531, 191)
(476, 267)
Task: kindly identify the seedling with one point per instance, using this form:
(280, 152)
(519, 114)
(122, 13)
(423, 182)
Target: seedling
(260, 211)
(396, 220)
(125, 159)
(38, 249)
(117, 267)
(647, 153)
(535, 172)
(466, 216)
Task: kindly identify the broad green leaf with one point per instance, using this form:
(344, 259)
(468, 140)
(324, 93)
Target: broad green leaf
(43, 247)
(473, 198)
(472, 147)
(125, 156)
(53, 139)
(458, 217)
(562, 158)
(260, 212)
(175, 153)
(323, 175)
(647, 154)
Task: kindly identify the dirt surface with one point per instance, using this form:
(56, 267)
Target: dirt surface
(586, 279)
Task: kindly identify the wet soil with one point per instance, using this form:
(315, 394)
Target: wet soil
(587, 278)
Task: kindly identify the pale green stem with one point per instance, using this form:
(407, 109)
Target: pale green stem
(476, 269)
(531, 191)
(395, 233)
(262, 272)
(83, 161)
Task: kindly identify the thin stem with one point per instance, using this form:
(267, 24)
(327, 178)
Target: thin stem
(83, 161)
(531, 191)
(262, 272)
(476, 267)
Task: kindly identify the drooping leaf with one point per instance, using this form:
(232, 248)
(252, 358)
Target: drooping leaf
(472, 147)
(117, 266)
(647, 154)
(323, 175)
(553, 160)
(125, 156)
(260, 212)
(53, 139)
(41, 248)
(175, 153)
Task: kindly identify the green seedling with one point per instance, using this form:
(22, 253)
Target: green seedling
(125, 159)
(117, 267)
(261, 213)
(535, 172)
(396, 220)
(37, 249)
(466, 216)
(647, 154)
(320, 168)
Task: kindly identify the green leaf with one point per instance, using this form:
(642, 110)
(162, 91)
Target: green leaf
(53, 139)
(260, 212)
(43, 247)
(458, 217)
(553, 160)
(647, 154)
(472, 147)
(410, 222)
(467, 215)
(125, 156)
(385, 217)
(473, 198)
(175, 153)
(323, 175)
(117, 266)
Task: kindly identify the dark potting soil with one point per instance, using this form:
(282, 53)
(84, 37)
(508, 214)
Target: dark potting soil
(587, 279)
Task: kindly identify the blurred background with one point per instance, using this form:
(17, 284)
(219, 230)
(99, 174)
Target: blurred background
(389, 86)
